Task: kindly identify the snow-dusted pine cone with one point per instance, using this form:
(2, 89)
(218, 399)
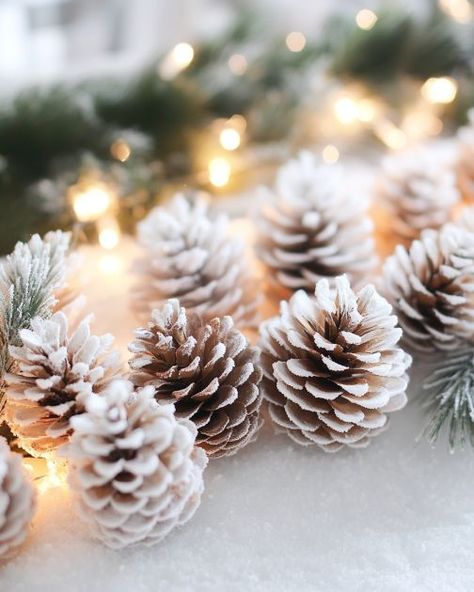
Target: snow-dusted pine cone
(332, 368)
(419, 191)
(431, 287)
(209, 371)
(17, 500)
(312, 227)
(133, 466)
(189, 255)
(53, 372)
(465, 168)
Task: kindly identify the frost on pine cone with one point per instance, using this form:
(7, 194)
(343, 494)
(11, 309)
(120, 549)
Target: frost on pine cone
(209, 371)
(53, 372)
(465, 167)
(332, 368)
(311, 227)
(419, 191)
(134, 468)
(431, 287)
(189, 255)
(17, 501)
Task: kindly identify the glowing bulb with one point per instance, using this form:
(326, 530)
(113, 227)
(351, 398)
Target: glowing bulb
(345, 110)
(54, 477)
(238, 122)
(229, 138)
(177, 60)
(92, 202)
(110, 264)
(109, 233)
(237, 64)
(120, 150)
(365, 110)
(460, 10)
(295, 41)
(440, 90)
(366, 19)
(219, 172)
(390, 134)
(330, 154)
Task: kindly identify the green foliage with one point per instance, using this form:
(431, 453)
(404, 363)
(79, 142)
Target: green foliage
(450, 400)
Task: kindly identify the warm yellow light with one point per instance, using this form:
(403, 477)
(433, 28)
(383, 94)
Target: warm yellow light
(330, 154)
(91, 202)
(345, 110)
(237, 64)
(295, 41)
(177, 60)
(366, 19)
(219, 172)
(420, 123)
(229, 138)
(109, 233)
(55, 476)
(366, 110)
(110, 264)
(440, 90)
(238, 122)
(120, 150)
(390, 134)
(460, 10)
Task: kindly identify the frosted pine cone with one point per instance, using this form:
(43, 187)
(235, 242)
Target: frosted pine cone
(419, 191)
(190, 256)
(134, 467)
(311, 228)
(53, 372)
(431, 286)
(209, 372)
(332, 368)
(17, 501)
(465, 167)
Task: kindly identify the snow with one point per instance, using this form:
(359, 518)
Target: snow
(396, 516)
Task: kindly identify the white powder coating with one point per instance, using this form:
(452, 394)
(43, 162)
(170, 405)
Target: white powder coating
(277, 517)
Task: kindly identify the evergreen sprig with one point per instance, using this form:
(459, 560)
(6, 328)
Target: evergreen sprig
(450, 400)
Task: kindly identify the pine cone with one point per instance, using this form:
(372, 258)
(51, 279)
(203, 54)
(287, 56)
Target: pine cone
(17, 500)
(419, 191)
(53, 372)
(431, 286)
(315, 229)
(209, 372)
(331, 366)
(134, 468)
(190, 256)
(465, 168)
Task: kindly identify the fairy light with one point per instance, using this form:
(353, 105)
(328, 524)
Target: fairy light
(366, 19)
(391, 135)
(345, 109)
(219, 171)
(175, 61)
(109, 233)
(459, 10)
(229, 138)
(91, 201)
(237, 64)
(110, 264)
(120, 150)
(238, 122)
(295, 41)
(330, 154)
(366, 110)
(441, 90)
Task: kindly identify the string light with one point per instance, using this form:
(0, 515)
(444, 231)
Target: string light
(237, 64)
(295, 41)
(459, 10)
(390, 134)
(330, 154)
(110, 264)
(229, 138)
(175, 61)
(120, 150)
(366, 110)
(345, 109)
(366, 19)
(48, 473)
(440, 90)
(219, 172)
(90, 201)
(109, 233)
(238, 122)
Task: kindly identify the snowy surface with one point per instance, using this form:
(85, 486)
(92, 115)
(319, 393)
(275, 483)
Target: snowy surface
(397, 516)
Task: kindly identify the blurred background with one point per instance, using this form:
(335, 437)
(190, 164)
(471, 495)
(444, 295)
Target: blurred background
(108, 107)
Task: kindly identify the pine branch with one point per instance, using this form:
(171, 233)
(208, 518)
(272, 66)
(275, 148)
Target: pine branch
(28, 280)
(450, 400)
